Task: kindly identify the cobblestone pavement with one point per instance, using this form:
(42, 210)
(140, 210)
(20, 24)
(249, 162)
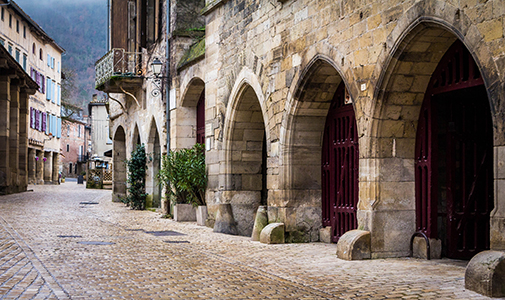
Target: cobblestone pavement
(61, 242)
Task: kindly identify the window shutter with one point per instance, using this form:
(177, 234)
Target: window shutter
(48, 60)
(44, 122)
(48, 123)
(32, 118)
(59, 95)
(37, 119)
(48, 86)
(43, 83)
(58, 132)
(53, 93)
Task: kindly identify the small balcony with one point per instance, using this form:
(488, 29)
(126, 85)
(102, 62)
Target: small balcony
(119, 70)
(82, 158)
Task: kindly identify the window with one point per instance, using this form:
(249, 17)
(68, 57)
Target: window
(17, 26)
(68, 147)
(33, 48)
(68, 131)
(48, 91)
(48, 60)
(24, 31)
(70, 168)
(25, 59)
(10, 20)
(58, 127)
(41, 54)
(10, 49)
(2, 42)
(3, 12)
(18, 55)
(53, 91)
(78, 130)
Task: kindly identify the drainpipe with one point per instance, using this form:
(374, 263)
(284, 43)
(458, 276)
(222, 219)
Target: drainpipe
(169, 77)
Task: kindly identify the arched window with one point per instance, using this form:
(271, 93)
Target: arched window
(41, 57)
(33, 48)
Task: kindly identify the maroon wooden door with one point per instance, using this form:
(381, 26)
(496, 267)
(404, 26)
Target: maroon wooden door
(454, 179)
(200, 119)
(339, 171)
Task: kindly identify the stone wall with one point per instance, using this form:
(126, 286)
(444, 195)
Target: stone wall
(275, 66)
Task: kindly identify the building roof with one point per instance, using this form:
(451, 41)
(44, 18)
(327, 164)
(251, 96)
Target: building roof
(34, 26)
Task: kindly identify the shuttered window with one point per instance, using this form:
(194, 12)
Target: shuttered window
(58, 131)
(32, 117)
(44, 122)
(48, 123)
(48, 92)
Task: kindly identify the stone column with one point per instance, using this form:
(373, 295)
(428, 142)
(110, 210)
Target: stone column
(32, 166)
(56, 169)
(4, 134)
(48, 167)
(14, 136)
(23, 140)
(40, 167)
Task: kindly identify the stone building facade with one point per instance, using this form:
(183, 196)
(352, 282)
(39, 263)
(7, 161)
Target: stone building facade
(75, 142)
(40, 56)
(382, 116)
(270, 73)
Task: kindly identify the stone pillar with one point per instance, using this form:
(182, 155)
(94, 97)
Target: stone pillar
(23, 140)
(4, 134)
(40, 167)
(56, 169)
(497, 219)
(14, 136)
(32, 166)
(48, 168)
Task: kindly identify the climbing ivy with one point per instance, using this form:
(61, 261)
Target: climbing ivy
(137, 178)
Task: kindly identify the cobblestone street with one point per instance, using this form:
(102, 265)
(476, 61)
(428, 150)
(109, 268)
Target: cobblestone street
(61, 242)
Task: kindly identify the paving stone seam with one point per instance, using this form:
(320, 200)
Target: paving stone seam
(37, 264)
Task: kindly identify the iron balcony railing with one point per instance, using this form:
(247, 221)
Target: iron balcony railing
(118, 62)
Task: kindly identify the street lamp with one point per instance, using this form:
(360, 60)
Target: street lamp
(156, 66)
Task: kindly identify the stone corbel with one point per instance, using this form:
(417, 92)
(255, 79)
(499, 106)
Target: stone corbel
(129, 94)
(122, 107)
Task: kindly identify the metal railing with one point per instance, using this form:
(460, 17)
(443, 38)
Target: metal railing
(118, 62)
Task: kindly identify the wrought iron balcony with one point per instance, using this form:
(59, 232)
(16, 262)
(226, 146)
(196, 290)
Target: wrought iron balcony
(119, 70)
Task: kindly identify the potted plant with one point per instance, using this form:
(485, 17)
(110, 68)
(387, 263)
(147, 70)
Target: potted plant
(184, 172)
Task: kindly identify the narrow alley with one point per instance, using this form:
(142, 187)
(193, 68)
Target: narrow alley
(68, 242)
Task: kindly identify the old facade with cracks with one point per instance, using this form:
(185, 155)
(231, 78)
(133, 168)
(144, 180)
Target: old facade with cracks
(382, 116)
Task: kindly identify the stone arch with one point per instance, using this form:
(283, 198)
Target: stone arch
(119, 164)
(186, 114)
(245, 141)
(153, 151)
(303, 123)
(136, 138)
(388, 189)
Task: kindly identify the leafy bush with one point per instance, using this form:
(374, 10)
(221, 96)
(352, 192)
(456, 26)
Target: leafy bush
(137, 178)
(184, 171)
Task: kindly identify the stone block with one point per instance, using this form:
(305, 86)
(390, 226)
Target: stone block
(201, 215)
(419, 248)
(260, 222)
(354, 245)
(184, 213)
(325, 235)
(224, 222)
(485, 274)
(272, 234)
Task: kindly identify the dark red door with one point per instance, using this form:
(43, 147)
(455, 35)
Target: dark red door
(454, 179)
(339, 171)
(200, 119)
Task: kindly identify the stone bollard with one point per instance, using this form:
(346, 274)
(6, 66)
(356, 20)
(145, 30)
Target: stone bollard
(485, 274)
(273, 233)
(354, 245)
(260, 222)
(225, 223)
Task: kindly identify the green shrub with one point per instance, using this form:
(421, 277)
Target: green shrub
(184, 171)
(137, 167)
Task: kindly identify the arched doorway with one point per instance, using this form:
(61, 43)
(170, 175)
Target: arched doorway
(246, 151)
(339, 166)
(154, 158)
(119, 165)
(454, 157)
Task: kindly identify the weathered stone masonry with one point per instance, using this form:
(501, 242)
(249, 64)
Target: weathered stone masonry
(274, 66)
